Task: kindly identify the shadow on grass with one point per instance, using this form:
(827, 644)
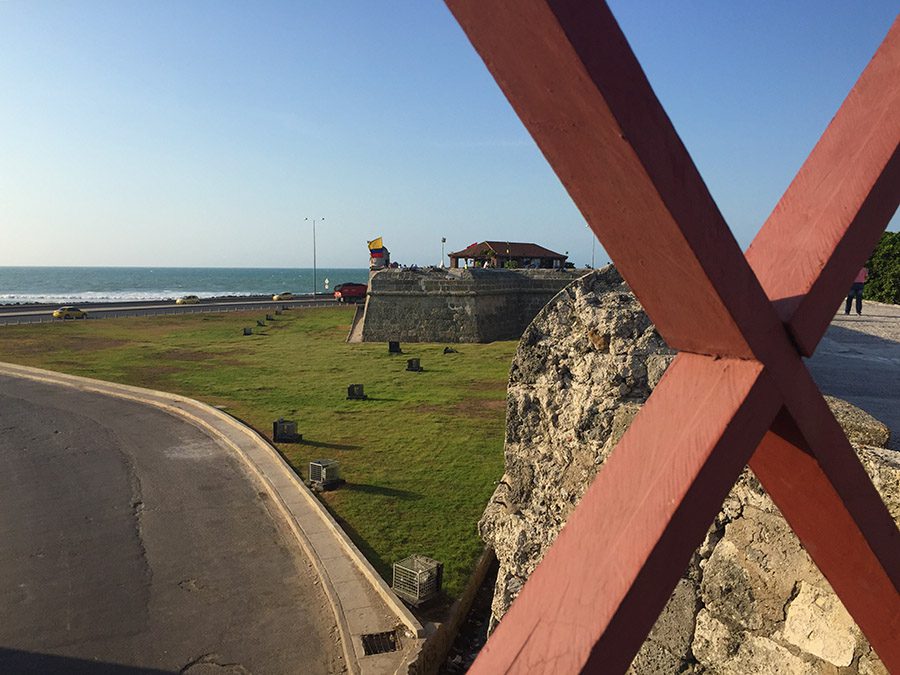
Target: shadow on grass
(329, 446)
(381, 566)
(403, 495)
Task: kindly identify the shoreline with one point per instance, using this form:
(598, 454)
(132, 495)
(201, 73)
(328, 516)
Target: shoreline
(28, 306)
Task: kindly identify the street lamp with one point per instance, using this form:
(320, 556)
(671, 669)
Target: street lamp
(315, 284)
(593, 244)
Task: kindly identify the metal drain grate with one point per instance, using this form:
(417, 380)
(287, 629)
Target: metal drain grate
(380, 643)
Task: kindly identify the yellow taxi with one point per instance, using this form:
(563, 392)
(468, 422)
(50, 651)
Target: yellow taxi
(283, 296)
(187, 300)
(69, 312)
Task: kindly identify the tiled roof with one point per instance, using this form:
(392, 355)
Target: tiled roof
(513, 249)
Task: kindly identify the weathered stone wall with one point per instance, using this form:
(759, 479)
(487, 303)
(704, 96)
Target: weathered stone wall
(751, 600)
(463, 305)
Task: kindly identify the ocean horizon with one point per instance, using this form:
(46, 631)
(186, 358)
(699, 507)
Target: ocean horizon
(73, 285)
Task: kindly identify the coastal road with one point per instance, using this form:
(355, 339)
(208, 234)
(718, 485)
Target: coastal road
(858, 360)
(130, 540)
(19, 314)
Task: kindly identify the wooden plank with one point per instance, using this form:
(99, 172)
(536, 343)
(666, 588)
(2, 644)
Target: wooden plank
(834, 454)
(600, 587)
(584, 98)
(830, 218)
(818, 513)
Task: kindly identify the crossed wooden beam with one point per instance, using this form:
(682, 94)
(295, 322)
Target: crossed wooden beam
(738, 392)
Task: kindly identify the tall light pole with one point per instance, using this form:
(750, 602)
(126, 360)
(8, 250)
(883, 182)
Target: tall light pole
(593, 244)
(315, 281)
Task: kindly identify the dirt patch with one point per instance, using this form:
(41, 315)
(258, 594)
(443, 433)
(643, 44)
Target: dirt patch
(490, 386)
(71, 343)
(151, 376)
(186, 355)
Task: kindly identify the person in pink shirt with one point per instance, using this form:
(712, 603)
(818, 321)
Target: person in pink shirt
(856, 291)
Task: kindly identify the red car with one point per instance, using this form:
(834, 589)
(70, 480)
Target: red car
(350, 292)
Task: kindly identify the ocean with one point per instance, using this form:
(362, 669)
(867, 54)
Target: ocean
(74, 285)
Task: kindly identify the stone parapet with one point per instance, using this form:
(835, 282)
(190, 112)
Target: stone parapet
(462, 305)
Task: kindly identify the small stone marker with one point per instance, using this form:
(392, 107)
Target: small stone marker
(285, 431)
(394, 347)
(260, 323)
(413, 365)
(248, 331)
(277, 312)
(269, 317)
(355, 393)
(449, 350)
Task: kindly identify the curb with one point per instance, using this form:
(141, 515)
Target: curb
(171, 404)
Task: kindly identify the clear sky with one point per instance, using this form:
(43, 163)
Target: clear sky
(204, 132)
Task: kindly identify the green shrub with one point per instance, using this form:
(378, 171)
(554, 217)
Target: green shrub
(883, 284)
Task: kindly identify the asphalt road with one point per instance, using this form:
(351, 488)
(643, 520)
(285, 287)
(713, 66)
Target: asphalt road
(19, 314)
(132, 540)
(858, 360)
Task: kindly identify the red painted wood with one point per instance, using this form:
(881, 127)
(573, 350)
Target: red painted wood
(835, 455)
(583, 96)
(818, 513)
(830, 218)
(636, 527)
(581, 93)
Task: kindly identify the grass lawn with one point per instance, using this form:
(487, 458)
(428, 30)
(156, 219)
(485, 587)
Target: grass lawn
(420, 456)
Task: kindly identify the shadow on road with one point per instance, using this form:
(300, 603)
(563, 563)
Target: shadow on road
(18, 661)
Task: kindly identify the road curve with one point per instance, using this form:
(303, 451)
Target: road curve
(132, 540)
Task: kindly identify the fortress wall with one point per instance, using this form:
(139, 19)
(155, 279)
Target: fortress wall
(462, 305)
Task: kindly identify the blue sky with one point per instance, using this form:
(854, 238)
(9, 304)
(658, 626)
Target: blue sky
(202, 133)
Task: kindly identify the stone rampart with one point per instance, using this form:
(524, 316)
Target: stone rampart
(751, 600)
(461, 305)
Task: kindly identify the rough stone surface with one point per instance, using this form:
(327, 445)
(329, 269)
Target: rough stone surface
(456, 305)
(817, 623)
(751, 600)
(577, 380)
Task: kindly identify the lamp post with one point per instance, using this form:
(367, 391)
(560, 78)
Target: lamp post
(315, 283)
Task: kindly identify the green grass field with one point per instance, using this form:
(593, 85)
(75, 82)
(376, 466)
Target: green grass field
(420, 457)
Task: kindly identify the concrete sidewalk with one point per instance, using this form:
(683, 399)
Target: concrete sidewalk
(858, 360)
(362, 602)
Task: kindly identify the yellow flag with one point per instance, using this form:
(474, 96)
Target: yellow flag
(376, 243)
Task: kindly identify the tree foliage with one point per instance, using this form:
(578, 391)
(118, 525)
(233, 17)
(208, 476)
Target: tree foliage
(883, 284)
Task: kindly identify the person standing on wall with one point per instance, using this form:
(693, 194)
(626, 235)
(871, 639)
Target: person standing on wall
(856, 291)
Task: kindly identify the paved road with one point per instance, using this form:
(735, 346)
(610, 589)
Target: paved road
(19, 314)
(131, 540)
(859, 360)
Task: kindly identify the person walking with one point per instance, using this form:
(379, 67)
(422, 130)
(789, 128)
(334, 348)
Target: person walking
(856, 291)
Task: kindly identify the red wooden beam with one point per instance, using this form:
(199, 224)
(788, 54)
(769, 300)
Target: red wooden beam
(830, 218)
(638, 523)
(583, 97)
(818, 514)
